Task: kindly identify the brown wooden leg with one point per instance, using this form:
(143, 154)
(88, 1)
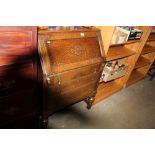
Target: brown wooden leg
(90, 101)
(43, 123)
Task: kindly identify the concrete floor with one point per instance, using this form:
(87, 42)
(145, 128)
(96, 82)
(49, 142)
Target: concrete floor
(133, 107)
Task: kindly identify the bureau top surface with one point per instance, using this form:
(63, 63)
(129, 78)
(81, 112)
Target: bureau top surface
(17, 28)
(68, 31)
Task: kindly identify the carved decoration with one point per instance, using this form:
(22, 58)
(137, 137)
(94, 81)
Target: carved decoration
(77, 50)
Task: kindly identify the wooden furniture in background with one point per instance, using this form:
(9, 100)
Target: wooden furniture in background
(18, 77)
(151, 72)
(143, 60)
(138, 58)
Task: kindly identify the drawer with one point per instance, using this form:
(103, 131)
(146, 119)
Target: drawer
(17, 44)
(76, 83)
(12, 40)
(56, 102)
(16, 78)
(28, 122)
(15, 51)
(16, 106)
(79, 90)
(70, 75)
(10, 60)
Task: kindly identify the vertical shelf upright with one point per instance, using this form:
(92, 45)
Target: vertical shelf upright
(145, 57)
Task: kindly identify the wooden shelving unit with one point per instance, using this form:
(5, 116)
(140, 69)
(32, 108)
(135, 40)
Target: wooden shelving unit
(138, 58)
(134, 77)
(142, 61)
(116, 52)
(106, 89)
(152, 37)
(148, 49)
(145, 59)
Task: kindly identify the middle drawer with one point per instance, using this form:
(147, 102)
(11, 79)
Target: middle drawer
(14, 78)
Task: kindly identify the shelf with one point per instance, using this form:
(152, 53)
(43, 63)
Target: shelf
(148, 49)
(151, 37)
(153, 30)
(141, 62)
(117, 52)
(128, 42)
(134, 77)
(132, 41)
(106, 89)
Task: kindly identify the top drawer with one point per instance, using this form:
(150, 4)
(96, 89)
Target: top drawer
(15, 78)
(16, 39)
(12, 42)
(17, 44)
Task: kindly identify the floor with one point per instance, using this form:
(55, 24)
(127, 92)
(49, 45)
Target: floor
(133, 107)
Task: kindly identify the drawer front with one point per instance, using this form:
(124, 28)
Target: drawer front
(28, 122)
(66, 87)
(19, 105)
(56, 101)
(69, 80)
(74, 86)
(15, 40)
(10, 60)
(72, 53)
(79, 93)
(16, 78)
(15, 46)
(75, 74)
(78, 83)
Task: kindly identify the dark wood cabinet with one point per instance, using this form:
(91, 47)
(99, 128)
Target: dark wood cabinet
(18, 77)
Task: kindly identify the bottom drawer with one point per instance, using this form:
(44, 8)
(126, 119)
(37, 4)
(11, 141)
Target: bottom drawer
(16, 106)
(54, 102)
(17, 77)
(29, 122)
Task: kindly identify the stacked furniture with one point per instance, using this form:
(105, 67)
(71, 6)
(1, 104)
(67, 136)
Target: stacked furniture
(18, 77)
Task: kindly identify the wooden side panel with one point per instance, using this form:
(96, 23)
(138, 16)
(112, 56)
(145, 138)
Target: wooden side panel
(106, 33)
(18, 74)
